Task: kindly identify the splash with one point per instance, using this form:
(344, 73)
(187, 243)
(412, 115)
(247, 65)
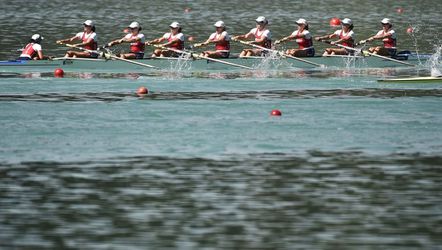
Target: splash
(180, 67)
(435, 62)
(413, 36)
(268, 65)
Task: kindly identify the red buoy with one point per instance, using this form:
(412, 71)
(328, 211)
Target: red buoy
(142, 91)
(335, 22)
(59, 73)
(400, 10)
(276, 112)
(410, 30)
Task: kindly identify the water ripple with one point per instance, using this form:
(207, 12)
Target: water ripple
(264, 201)
(271, 94)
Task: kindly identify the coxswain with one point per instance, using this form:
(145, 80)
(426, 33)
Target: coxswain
(388, 37)
(174, 40)
(221, 39)
(88, 40)
(136, 40)
(33, 50)
(262, 37)
(304, 39)
(345, 37)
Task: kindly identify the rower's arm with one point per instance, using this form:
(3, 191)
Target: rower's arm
(326, 37)
(131, 40)
(345, 38)
(379, 36)
(155, 41)
(117, 41)
(287, 38)
(174, 41)
(260, 41)
(68, 40)
(89, 41)
(242, 37)
(40, 55)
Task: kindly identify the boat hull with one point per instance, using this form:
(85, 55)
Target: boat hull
(101, 65)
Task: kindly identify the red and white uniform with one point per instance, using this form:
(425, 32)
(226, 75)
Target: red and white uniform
(342, 35)
(138, 46)
(83, 36)
(260, 34)
(389, 42)
(223, 45)
(170, 37)
(31, 50)
(304, 42)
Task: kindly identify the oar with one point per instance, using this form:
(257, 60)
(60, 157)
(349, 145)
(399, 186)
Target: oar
(280, 53)
(369, 53)
(113, 56)
(202, 57)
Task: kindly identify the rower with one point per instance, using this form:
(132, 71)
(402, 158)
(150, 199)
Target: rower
(88, 40)
(33, 50)
(136, 40)
(175, 40)
(388, 37)
(346, 38)
(304, 39)
(221, 39)
(262, 37)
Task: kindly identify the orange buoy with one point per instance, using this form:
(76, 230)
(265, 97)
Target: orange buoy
(335, 22)
(400, 10)
(410, 30)
(276, 112)
(59, 73)
(142, 91)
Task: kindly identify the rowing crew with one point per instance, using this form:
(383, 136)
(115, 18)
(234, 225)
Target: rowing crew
(172, 42)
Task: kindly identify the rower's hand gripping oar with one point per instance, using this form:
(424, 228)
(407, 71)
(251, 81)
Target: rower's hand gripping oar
(200, 57)
(368, 53)
(108, 54)
(280, 53)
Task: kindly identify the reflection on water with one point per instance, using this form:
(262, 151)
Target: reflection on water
(223, 96)
(335, 200)
(181, 70)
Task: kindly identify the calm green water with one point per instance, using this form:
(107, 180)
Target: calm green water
(199, 163)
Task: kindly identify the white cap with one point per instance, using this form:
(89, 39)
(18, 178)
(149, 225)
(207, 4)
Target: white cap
(261, 19)
(301, 21)
(219, 24)
(35, 37)
(347, 21)
(386, 21)
(89, 23)
(175, 25)
(133, 25)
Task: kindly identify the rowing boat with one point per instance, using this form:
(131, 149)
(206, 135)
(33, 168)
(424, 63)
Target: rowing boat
(103, 65)
(426, 79)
